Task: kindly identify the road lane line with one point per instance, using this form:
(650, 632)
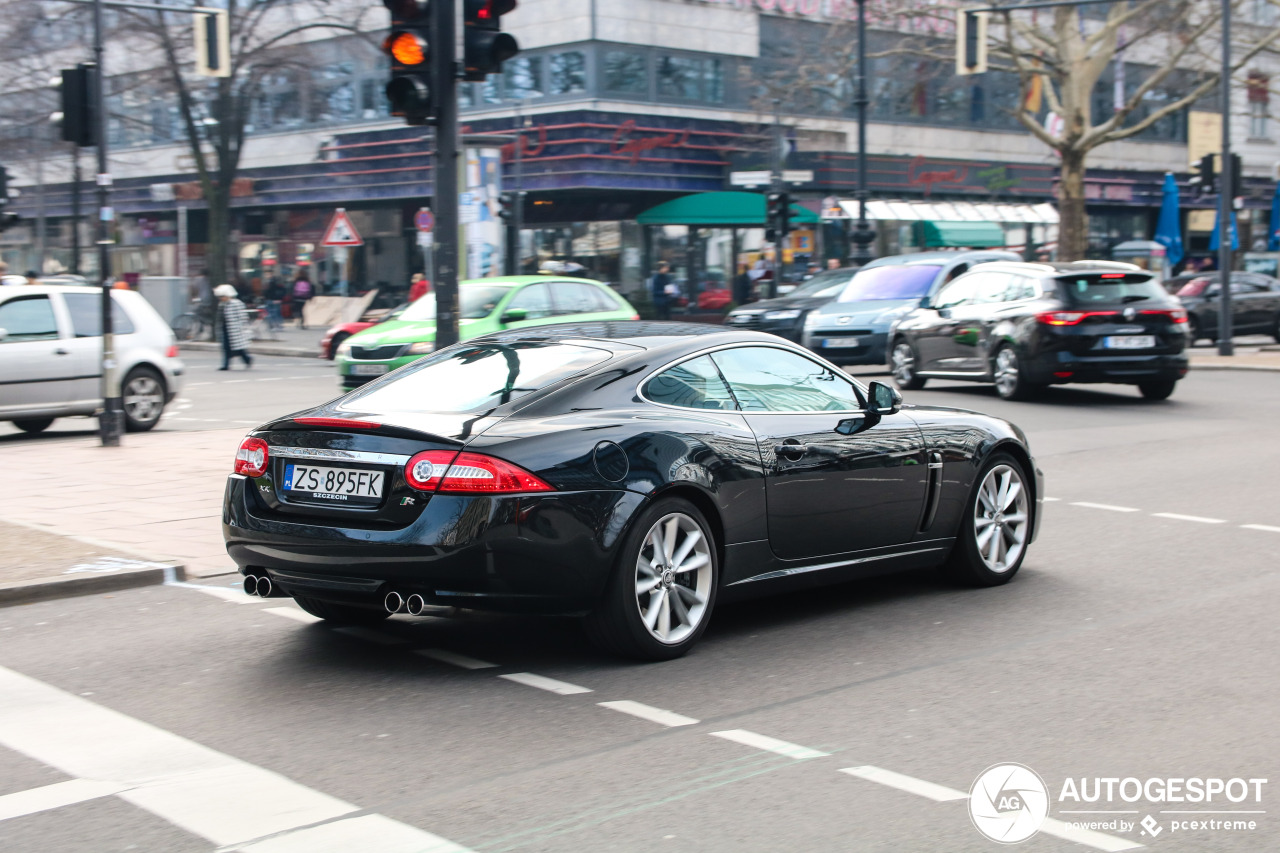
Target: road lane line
(1200, 518)
(1264, 527)
(56, 796)
(224, 800)
(564, 688)
(354, 833)
(650, 713)
(1106, 506)
(1051, 500)
(910, 784)
(782, 747)
(362, 633)
(1088, 837)
(445, 656)
(295, 614)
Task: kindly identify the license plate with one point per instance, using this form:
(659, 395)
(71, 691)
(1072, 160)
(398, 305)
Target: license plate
(1129, 342)
(368, 369)
(841, 342)
(345, 485)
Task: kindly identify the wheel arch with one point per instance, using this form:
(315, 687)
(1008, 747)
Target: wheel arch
(705, 503)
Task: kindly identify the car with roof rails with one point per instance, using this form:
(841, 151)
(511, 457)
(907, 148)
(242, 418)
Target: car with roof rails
(1025, 326)
(853, 328)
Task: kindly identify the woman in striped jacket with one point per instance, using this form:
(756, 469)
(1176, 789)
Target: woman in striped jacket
(233, 326)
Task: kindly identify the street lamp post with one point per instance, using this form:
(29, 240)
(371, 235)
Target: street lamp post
(111, 421)
(863, 234)
(1227, 182)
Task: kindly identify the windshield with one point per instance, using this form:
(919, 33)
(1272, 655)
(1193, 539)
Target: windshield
(824, 284)
(473, 378)
(900, 281)
(475, 301)
(1195, 287)
(1111, 288)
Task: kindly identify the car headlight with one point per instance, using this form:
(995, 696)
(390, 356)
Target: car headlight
(422, 348)
(344, 349)
(790, 314)
(812, 320)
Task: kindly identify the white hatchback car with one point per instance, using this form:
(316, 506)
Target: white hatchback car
(51, 355)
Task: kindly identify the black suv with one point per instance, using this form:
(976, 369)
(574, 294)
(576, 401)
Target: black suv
(1024, 326)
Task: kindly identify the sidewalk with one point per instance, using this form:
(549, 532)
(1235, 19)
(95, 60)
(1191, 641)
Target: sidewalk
(289, 341)
(1263, 358)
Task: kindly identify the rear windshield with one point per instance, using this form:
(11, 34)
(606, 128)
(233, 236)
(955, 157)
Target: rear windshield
(824, 284)
(474, 301)
(901, 281)
(1101, 288)
(474, 378)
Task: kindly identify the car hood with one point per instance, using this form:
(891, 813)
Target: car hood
(782, 303)
(871, 312)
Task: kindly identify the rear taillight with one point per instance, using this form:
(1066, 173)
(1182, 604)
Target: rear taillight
(251, 458)
(172, 351)
(1070, 318)
(337, 423)
(469, 474)
(1177, 315)
(635, 316)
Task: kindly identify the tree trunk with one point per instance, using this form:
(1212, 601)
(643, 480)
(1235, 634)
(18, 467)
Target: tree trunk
(219, 232)
(1073, 225)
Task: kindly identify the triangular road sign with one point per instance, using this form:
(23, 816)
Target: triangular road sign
(340, 231)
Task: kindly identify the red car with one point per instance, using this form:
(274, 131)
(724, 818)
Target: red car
(715, 299)
(337, 334)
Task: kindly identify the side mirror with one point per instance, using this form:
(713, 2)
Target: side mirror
(883, 399)
(514, 315)
(4, 334)
(944, 313)
(849, 426)
(926, 302)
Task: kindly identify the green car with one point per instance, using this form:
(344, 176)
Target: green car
(486, 305)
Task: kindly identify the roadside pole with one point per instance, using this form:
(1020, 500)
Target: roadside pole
(1226, 185)
(111, 421)
(444, 206)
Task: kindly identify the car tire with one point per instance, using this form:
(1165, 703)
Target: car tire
(902, 364)
(143, 397)
(1193, 330)
(1010, 381)
(33, 425)
(1157, 389)
(665, 620)
(978, 557)
(335, 343)
(342, 614)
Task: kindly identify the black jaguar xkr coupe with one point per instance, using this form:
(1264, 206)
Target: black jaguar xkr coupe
(632, 472)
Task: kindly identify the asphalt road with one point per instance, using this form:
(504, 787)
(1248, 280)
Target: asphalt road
(1137, 641)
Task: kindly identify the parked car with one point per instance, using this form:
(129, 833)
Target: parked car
(635, 472)
(1255, 303)
(1024, 326)
(853, 328)
(784, 316)
(51, 355)
(334, 337)
(485, 305)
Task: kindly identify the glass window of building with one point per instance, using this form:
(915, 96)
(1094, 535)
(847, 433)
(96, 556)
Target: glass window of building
(680, 77)
(522, 78)
(567, 73)
(625, 72)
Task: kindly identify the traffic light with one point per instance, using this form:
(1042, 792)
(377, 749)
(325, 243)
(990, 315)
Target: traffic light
(971, 42)
(6, 218)
(1205, 178)
(484, 44)
(778, 212)
(76, 95)
(1237, 177)
(409, 90)
(213, 43)
(507, 207)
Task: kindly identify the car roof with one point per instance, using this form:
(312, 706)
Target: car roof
(943, 257)
(53, 288)
(513, 280)
(1059, 268)
(631, 335)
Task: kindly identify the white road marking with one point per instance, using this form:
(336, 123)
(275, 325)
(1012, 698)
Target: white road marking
(541, 682)
(294, 613)
(782, 747)
(229, 802)
(1106, 506)
(648, 712)
(910, 784)
(1088, 837)
(354, 833)
(235, 596)
(363, 633)
(454, 658)
(1200, 518)
(1050, 500)
(1267, 528)
(55, 796)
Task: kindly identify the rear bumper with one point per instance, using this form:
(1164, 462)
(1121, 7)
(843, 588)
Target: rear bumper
(871, 349)
(1124, 369)
(538, 553)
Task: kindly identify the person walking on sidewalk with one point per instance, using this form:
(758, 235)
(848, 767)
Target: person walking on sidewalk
(274, 294)
(233, 326)
(302, 291)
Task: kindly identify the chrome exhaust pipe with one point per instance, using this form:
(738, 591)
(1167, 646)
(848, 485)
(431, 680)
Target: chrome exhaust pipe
(394, 602)
(251, 584)
(264, 587)
(415, 605)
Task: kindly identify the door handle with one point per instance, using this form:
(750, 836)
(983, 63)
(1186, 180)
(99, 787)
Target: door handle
(61, 351)
(791, 448)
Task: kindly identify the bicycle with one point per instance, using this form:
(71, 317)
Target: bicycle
(196, 323)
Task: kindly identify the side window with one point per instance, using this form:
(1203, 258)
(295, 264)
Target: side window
(957, 293)
(86, 315)
(604, 301)
(574, 298)
(1020, 287)
(534, 300)
(694, 384)
(989, 288)
(766, 379)
(28, 318)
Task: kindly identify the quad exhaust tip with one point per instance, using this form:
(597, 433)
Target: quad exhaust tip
(415, 605)
(394, 602)
(264, 587)
(251, 584)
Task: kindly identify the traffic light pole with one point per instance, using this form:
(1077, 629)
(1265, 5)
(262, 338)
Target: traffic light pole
(111, 421)
(445, 180)
(863, 234)
(1226, 189)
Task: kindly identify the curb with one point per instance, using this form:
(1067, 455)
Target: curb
(1257, 368)
(255, 349)
(46, 589)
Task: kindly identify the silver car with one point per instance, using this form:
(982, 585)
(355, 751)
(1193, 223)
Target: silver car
(51, 355)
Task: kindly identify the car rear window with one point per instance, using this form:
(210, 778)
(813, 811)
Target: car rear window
(474, 377)
(1110, 288)
(86, 315)
(901, 281)
(474, 301)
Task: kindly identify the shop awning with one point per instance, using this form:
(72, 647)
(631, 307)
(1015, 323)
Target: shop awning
(975, 235)
(719, 210)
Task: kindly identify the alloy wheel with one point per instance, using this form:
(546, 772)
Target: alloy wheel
(1000, 518)
(143, 399)
(1006, 372)
(673, 578)
(903, 363)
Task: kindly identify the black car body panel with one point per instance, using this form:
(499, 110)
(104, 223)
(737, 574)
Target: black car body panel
(850, 504)
(1255, 303)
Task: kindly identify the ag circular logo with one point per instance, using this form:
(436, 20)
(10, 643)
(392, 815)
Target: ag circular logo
(1008, 802)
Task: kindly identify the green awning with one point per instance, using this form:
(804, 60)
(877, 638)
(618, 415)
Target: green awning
(719, 210)
(972, 235)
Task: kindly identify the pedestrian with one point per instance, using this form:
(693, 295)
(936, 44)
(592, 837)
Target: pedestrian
(275, 298)
(33, 277)
(742, 286)
(302, 291)
(419, 287)
(661, 290)
(233, 326)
